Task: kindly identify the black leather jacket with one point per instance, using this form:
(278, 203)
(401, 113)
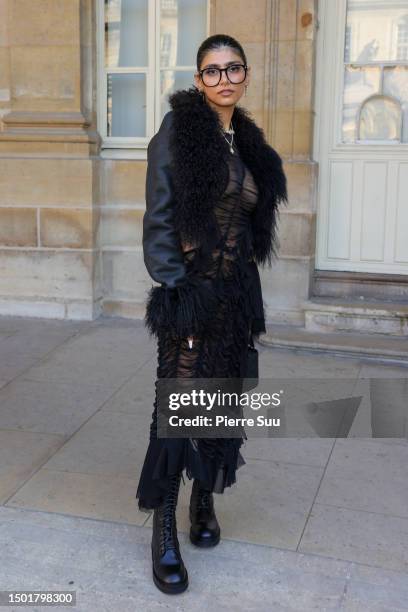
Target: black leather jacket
(181, 305)
(162, 251)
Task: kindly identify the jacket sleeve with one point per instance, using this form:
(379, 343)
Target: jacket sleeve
(182, 304)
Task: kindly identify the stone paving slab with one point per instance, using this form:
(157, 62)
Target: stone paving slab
(358, 469)
(99, 356)
(110, 567)
(311, 524)
(269, 504)
(21, 454)
(52, 407)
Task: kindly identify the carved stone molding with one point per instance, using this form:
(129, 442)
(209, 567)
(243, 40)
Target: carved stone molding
(71, 129)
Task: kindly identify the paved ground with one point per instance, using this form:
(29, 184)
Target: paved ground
(311, 524)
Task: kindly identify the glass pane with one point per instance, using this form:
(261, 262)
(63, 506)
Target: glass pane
(171, 80)
(376, 31)
(126, 29)
(376, 64)
(359, 84)
(396, 85)
(402, 39)
(183, 27)
(380, 119)
(126, 105)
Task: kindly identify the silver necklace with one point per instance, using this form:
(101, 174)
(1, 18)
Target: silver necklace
(232, 132)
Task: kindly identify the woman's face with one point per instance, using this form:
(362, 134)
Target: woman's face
(221, 58)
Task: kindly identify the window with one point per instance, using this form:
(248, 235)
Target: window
(146, 50)
(375, 94)
(402, 39)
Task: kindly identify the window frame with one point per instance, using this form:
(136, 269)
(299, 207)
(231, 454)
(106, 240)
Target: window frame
(117, 147)
(338, 142)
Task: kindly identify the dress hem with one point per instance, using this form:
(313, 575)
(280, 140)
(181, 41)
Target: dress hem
(162, 462)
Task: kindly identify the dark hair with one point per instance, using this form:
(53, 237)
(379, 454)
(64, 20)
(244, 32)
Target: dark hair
(216, 42)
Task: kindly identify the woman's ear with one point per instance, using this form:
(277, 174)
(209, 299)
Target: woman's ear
(197, 80)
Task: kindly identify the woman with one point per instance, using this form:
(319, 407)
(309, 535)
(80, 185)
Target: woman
(213, 186)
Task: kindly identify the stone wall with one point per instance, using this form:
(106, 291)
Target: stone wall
(71, 221)
(49, 254)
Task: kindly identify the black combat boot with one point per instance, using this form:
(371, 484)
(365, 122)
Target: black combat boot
(169, 572)
(205, 530)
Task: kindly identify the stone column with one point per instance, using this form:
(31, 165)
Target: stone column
(49, 254)
(278, 37)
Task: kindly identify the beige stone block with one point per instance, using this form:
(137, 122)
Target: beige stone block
(257, 93)
(303, 75)
(45, 78)
(307, 10)
(259, 117)
(82, 310)
(285, 75)
(125, 275)
(296, 234)
(4, 77)
(302, 134)
(301, 178)
(97, 277)
(97, 229)
(121, 227)
(283, 132)
(4, 23)
(287, 20)
(97, 167)
(123, 181)
(52, 182)
(86, 15)
(50, 274)
(128, 309)
(18, 226)
(10, 147)
(34, 307)
(71, 228)
(44, 22)
(242, 19)
(285, 286)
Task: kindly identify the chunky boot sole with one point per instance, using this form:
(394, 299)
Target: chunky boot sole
(170, 589)
(204, 543)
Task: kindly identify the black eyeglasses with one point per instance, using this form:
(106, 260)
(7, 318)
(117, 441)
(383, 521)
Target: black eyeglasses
(236, 73)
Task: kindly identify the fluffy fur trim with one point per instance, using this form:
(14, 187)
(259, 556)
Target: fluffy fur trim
(182, 311)
(200, 171)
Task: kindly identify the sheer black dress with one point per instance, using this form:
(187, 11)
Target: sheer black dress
(226, 261)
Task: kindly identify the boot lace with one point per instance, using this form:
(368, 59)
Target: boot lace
(168, 517)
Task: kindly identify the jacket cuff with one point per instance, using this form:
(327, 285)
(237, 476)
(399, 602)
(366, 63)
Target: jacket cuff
(182, 311)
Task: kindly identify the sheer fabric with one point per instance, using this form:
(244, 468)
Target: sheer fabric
(225, 262)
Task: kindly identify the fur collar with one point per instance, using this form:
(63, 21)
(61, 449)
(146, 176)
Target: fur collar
(200, 171)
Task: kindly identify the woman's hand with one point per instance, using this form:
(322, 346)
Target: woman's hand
(190, 341)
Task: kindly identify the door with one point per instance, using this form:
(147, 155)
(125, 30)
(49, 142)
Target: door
(361, 136)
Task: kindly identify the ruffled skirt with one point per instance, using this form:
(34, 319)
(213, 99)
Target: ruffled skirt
(220, 351)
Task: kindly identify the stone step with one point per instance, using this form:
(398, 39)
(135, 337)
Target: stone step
(368, 315)
(376, 347)
(335, 283)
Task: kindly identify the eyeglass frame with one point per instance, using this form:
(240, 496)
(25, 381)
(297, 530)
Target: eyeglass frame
(221, 70)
